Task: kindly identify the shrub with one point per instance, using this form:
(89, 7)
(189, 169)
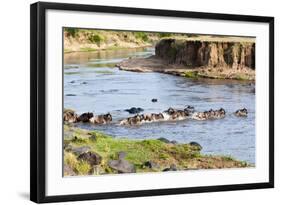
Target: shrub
(141, 35)
(163, 156)
(71, 31)
(96, 38)
(228, 158)
(162, 35)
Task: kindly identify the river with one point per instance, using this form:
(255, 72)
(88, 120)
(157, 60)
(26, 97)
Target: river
(92, 83)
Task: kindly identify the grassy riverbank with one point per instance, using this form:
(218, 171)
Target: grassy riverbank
(83, 40)
(150, 155)
(86, 40)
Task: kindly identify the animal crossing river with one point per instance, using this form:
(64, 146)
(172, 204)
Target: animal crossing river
(92, 83)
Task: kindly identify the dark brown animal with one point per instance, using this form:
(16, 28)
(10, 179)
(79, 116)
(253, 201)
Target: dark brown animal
(85, 117)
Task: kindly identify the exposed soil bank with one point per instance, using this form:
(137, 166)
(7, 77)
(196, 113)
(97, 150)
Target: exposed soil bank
(90, 152)
(218, 59)
(235, 55)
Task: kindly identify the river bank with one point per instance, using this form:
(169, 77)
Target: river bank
(192, 56)
(154, 64)
(92, 152)
(216, 58)
(85, 40)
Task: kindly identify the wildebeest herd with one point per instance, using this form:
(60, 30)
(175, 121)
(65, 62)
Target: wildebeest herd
(170, 114)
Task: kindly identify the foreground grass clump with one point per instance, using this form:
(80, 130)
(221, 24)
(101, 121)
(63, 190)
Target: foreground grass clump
(138, 152)
(79, 167)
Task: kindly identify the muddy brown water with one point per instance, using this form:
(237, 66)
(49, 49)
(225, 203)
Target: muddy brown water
(92, 83)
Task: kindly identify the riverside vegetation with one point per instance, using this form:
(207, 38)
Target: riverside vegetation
(81, 40)
(91, 152)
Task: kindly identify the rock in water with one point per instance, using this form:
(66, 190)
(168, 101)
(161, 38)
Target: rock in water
(91, 157)
(70, 94)
(134, 110)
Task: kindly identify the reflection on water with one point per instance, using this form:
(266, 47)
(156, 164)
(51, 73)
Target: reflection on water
(92, 83)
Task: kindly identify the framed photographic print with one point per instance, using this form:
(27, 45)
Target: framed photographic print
(129, 102)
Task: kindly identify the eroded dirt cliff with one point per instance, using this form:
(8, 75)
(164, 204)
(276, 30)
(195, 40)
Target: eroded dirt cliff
(235, 55)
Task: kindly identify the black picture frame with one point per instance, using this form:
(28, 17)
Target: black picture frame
(38, 101)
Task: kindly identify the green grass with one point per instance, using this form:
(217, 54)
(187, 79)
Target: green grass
(65, 50)
(228, 158)
(141, 35)
(138, 152)
(191, 74)
(115, 47)
(96, 38)
(72, 31)
(87, 49)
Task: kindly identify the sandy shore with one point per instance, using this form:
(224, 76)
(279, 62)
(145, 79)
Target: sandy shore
(154, 64)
